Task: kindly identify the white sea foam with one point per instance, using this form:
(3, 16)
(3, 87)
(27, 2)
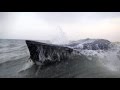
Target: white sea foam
(109, 59)
(27, 65)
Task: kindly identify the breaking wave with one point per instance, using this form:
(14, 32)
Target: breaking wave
(108, 58)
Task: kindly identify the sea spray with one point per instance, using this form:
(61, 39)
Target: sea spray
(27, 65)
(60, 37)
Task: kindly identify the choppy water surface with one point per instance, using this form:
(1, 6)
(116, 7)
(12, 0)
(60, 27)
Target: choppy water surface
(14, 62)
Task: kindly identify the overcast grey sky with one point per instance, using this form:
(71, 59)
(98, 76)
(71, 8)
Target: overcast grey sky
(75, 25)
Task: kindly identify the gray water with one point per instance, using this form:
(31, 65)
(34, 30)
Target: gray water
(15, 63)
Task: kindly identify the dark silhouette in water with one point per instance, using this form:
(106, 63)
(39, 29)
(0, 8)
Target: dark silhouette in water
(42, 53)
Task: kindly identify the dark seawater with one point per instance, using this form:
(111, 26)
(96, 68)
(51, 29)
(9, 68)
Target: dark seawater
(15, 63)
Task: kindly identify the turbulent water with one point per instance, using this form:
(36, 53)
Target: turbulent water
(14, 62)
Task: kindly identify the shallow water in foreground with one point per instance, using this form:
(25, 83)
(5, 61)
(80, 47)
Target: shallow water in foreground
(14, 62)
